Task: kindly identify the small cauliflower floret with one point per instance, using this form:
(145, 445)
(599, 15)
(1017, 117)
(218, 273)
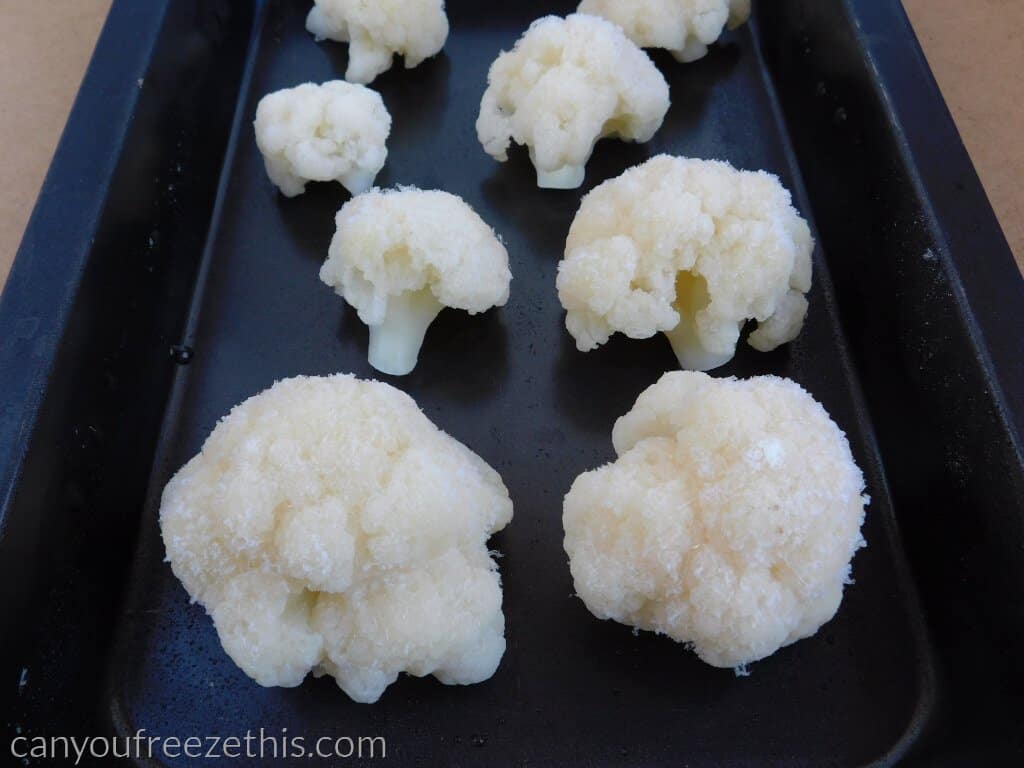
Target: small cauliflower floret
(330, 132)
(728, 521)
(328, 526)
(377, 30)
(400, 256)
(691, 248)
(685, 27)
(566, 84)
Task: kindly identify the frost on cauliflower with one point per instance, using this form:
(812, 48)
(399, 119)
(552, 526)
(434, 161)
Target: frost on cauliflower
(728, 521)
(329, 526)
(691, 248)
(378, 29)
(685, 27)
(330, 132)
(400, 256)
(566, 84)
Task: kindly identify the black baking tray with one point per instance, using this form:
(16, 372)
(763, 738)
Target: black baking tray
(162, 280)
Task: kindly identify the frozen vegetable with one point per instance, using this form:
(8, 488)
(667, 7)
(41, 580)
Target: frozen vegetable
(400, 256)
(376, 30)
(728, 521)
(566, 84)
(690, 248)
(330, 132)
(685, 27)
(328, 526)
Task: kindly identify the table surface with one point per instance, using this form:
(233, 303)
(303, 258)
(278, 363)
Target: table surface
(975, 48)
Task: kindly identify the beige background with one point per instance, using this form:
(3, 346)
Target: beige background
(976, 49)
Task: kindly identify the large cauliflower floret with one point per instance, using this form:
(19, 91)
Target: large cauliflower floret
(728, 521)
(685, 27)
(330, 132)
(328, 526)
(692, 248)
(566, 84)
(378, 29)
(400, 256)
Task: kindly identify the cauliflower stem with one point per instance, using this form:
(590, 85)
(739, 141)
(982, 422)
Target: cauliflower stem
(691, 297)
(395, 342)
(567, 176)
(358, 180)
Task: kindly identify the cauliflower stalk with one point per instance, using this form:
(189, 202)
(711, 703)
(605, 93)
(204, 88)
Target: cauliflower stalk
(566, 84)
(728, 521)
(691, 248)
(330, 132)
(376, 30)
(685, 27)
(400, 256)
(328, 526)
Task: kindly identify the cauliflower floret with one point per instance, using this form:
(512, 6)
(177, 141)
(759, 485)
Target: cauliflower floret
(377, 30)
(400, 256)
(328, 526)
(330, 132)
(728, 521)
(566, 84)
(685, 27)
(692, 248)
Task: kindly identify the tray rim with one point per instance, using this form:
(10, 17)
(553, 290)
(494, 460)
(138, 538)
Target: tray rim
(58, 240)
(925, 129)
(42, 286)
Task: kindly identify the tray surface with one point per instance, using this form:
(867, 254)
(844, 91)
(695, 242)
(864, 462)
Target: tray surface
(510, 384)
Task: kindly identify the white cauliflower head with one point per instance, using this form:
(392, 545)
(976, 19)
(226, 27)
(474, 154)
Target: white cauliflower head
(728, 521)
(692, 248)
(685, 27)
(330, 132)
(328, 526)
(400, 256)
(566, 84)
(378, 29)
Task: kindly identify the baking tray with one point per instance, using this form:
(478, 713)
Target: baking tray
(162, 280)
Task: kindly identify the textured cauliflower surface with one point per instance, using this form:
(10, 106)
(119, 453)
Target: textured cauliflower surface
(378, 29)
(692, 248)
(685, 27)
(566, 84)
(328, 526)
(400, 256)
(330, 132)
(728, 521)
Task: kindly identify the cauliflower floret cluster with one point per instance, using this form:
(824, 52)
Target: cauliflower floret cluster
(328, 526)
(566, 84)
(685, 27)
(728, 521)
(691, 248)
(330, 132)
(400, 256)
(378, 29)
